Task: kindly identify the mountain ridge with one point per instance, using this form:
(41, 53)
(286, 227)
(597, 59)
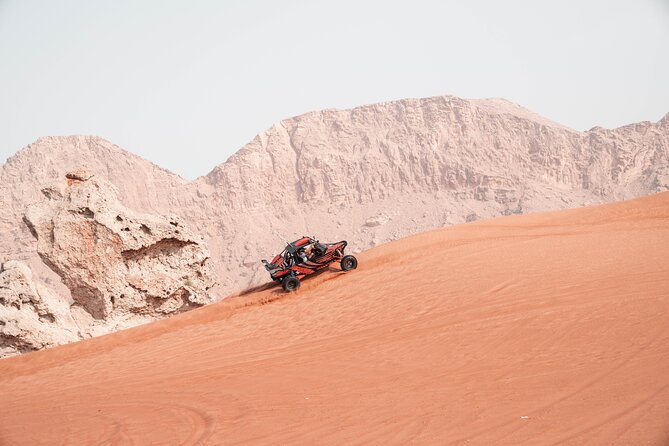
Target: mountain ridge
(490, 100)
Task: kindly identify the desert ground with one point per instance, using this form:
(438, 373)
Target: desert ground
(538, 329)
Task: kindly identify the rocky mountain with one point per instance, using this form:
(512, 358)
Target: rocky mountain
(381, 172)
(368, 175)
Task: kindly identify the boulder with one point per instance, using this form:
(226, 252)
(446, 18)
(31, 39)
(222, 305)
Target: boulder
(116, 261)
(32, 317)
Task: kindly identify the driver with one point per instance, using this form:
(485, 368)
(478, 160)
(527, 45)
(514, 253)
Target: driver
(307, 253)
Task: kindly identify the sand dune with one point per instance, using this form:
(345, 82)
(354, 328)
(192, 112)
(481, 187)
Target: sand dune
(540, 329)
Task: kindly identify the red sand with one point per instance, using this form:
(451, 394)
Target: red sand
(541, 329)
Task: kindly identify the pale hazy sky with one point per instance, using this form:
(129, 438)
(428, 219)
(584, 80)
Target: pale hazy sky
(186, 83)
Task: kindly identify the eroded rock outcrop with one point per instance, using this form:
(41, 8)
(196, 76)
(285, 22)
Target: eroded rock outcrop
(32, 317)
(114, 260)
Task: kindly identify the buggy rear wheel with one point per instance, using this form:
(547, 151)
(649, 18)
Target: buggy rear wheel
(290, 283)
(348, 263)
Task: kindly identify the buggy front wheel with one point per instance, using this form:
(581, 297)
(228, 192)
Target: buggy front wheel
(290, 283)
(348, 263)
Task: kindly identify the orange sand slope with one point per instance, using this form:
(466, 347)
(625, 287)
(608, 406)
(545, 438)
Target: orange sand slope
(546, 328)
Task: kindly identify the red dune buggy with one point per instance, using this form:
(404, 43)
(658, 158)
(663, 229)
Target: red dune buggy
(306, 256)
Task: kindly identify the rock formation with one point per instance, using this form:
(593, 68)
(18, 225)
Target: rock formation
(142, 186)
(115, 260)
(32, 317)
(121, 268)
(369, 175)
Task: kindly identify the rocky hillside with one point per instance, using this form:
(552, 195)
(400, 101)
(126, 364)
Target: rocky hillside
(368, 175)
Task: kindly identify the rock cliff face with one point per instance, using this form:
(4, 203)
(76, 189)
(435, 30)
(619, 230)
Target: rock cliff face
(141, 185)
(122, 268)
(115, 260)
(368, 175)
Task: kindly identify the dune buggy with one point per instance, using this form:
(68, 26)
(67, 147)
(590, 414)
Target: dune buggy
(306, 256)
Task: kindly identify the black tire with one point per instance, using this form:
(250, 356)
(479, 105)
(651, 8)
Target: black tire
(290, 283)
(348, 263)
